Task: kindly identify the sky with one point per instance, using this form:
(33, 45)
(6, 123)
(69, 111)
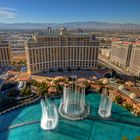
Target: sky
(61, 11)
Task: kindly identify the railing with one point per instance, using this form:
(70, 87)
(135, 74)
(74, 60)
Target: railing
(20, 125)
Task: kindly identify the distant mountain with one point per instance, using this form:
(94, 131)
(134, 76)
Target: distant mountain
(71, 25)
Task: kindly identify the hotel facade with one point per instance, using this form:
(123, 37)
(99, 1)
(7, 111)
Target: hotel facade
(121, 53)
(134, 65)
(61, 50)
(5, 54)
(126, 55)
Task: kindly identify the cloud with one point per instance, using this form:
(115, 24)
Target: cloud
(7, 12)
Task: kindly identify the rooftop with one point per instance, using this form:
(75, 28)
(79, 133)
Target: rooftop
(3, 42)
(47, 33)
(64, 31)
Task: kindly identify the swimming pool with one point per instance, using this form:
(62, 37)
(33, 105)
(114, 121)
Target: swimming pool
(122, 123)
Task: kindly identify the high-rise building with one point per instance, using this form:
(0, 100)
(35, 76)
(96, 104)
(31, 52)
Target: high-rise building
(4, 53)
(60, 50)
(134, 66)
(121, 53)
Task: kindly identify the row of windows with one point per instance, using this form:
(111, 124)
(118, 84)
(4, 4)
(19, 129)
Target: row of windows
(40, 67)
(4, 63)
(4, 54)
(61, 43)
(55, 54)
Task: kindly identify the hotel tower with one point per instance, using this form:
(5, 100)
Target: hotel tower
(4, 53)
(55, 50)
(134, 66)
(121, 53)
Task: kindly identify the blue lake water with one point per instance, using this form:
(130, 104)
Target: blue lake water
(94, 128)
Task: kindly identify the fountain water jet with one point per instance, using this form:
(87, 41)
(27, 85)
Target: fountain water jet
(105, 105)
(49, 119)
(74, 106)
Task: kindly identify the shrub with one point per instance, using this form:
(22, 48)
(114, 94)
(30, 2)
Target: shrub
(43, 88)
(119, 100)
(128, 107)
(26, 91)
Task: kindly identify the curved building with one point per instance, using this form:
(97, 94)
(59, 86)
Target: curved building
(61, 50)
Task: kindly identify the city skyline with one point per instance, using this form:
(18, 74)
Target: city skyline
(61, 11)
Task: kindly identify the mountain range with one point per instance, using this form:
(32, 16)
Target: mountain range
(89, 25)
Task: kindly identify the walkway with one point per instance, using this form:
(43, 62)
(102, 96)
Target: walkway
(110, 65)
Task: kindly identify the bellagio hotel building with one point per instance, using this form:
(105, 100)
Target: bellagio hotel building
(61, 50)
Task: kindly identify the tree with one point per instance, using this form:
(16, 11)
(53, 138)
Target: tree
(128, 107)
(26, 91)
(101, 89)
(119, 99)
(59, 88)
(86, 84)
(43, 88)
(33, 82)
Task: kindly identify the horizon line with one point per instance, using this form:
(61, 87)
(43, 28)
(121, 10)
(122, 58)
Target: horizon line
(67, 22)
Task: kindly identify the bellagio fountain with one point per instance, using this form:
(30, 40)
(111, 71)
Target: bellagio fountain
(73, 106)
(50, 115)
(105, 104)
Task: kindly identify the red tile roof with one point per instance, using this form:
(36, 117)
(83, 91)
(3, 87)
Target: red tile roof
(125, 42)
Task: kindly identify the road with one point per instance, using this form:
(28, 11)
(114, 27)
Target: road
(110, 65)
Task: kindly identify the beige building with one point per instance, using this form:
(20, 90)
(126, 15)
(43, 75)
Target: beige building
(105, 52)
(121, 53)
(4, 53)
(61, 50)
(134, 66)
